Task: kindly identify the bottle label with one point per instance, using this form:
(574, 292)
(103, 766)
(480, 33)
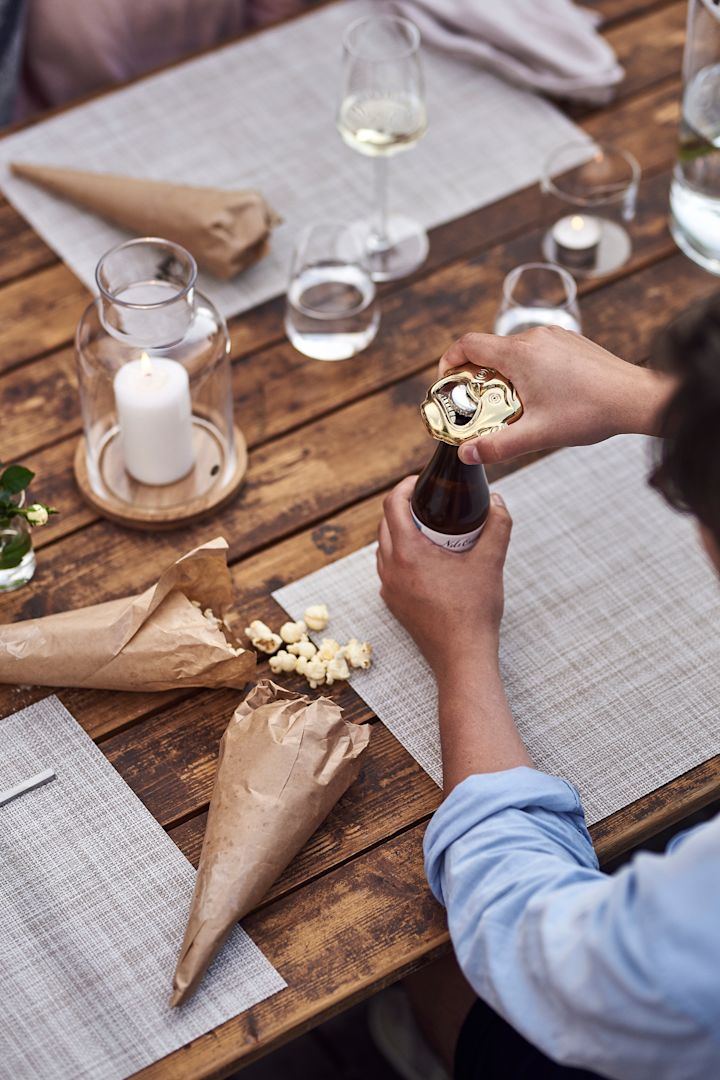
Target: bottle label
(451, 542)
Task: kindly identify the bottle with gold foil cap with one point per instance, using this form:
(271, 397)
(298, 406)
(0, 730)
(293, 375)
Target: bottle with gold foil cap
(451, 500)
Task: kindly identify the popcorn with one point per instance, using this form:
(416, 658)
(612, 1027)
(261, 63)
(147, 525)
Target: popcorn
(328, 648)
(315, 671)
(317, 617)
(262, 637)
(218, 624)
(212, 618)
(283, 661)
(303, 648)
(327, 664)
(292, 632)
(357, 653)
(301, 665)
(336, 670)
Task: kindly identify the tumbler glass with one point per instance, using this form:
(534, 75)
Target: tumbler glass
(331, 312)
(538, 294)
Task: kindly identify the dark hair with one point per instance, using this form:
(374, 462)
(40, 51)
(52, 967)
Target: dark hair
(688, 469)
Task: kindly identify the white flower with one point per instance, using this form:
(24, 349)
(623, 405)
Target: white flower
(37, 514)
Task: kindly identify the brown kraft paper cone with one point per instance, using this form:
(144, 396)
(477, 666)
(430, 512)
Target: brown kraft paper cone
(226, 231)
(284, 762)
(158, 640)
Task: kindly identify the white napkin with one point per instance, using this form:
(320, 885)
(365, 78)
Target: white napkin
(546, 45)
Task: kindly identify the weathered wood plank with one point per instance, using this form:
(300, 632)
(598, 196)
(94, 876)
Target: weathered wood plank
(23, 250)
(650, 47)
(39, 313)
(615, 11)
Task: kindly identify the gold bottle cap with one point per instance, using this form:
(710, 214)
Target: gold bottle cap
(468, 402)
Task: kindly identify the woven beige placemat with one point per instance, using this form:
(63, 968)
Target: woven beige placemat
(611, 636)
(94, 896)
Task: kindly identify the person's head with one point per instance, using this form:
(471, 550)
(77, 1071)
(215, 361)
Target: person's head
(688, 471)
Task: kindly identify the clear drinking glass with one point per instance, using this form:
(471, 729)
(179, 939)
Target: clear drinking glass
(382, 112)
(595, 191)
(538, 294)
(331, 312)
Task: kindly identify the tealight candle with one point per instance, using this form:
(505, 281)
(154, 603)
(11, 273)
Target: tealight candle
(152, 399)
(576, 240)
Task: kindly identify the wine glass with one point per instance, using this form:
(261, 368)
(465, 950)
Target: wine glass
(382, 112)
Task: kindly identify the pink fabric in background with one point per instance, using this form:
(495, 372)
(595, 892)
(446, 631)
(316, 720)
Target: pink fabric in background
(73, 47)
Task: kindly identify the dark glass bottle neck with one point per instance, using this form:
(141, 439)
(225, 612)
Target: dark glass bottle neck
(445, 464)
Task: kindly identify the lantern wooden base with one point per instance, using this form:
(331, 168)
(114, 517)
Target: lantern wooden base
(154, 515)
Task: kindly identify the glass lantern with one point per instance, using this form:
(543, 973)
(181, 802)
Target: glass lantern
(159, 446)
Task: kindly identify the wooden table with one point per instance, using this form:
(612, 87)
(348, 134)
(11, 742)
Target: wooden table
(352, 913)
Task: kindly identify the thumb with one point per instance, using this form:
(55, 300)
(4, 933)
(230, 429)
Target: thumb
(498, 526)
(522, 437)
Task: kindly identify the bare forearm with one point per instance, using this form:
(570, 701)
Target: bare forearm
(645, 400)
(477, 730)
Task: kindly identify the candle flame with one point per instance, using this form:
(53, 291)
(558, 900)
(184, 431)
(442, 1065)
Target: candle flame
(145, 365)
(577, 223)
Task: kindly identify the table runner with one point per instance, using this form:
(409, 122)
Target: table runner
(93, 901)
(611, 635)
(261, 113)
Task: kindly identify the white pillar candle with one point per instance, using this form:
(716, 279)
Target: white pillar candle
(577, 240)
(154, 410)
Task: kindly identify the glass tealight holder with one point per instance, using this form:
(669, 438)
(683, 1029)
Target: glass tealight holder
(538, 294)
(595, 191)
(160, 446)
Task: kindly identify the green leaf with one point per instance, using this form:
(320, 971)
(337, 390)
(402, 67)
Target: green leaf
(16, 478)
(13, 551)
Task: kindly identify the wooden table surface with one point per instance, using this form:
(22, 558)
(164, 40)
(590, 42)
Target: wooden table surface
(352, 913)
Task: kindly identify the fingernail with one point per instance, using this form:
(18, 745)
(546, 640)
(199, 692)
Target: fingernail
(470, 455)
(497, 498)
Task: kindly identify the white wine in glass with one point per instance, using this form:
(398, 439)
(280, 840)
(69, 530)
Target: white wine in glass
(382, 125)
(382, 112)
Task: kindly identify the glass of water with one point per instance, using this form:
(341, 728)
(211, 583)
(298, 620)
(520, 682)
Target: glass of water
(331, 311)
(538, 294)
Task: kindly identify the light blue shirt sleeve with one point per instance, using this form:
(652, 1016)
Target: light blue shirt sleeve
(616, 974)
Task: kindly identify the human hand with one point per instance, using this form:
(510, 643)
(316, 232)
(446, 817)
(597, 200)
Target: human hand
(573, 391)
(450, 602)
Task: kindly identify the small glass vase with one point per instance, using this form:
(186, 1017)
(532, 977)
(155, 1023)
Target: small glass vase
(17, 558)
